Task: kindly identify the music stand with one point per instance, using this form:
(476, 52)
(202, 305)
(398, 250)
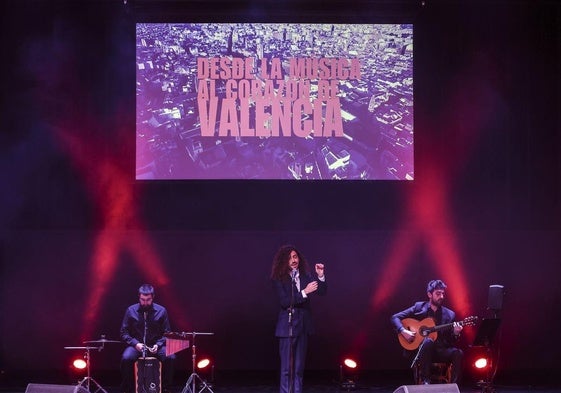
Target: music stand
(88, 381)
(194, 378)
(486, 332)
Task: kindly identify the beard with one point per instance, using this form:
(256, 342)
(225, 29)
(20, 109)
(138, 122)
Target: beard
(437, 303)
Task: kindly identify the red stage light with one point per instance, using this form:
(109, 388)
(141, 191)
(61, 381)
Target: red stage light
(79, 364)
(350, 363)
(203, 363)
(348, 374)
(481, 362)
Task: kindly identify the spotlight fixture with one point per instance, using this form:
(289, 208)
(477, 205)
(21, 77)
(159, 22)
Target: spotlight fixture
(350, 363)
(77, 368)
(79, 364)
(205, 367)
(203, 363)
(481, 363)
(348, 374)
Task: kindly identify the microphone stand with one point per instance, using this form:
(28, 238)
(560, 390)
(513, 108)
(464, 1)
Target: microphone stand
(145, 333)
(416, 359)
(290, 333)
(144, 352)
(416, 363)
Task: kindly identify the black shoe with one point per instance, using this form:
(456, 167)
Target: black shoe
(426, 382)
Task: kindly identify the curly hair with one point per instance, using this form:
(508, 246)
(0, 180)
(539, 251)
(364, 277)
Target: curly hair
(281, 269)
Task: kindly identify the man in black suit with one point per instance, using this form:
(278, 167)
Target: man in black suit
(294, 283)
(442, 349)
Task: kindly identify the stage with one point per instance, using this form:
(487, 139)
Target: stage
(475, 85)
(314, 382)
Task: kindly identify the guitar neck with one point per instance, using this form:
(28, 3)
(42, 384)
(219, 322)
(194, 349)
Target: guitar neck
(447, 325)
(441, 327)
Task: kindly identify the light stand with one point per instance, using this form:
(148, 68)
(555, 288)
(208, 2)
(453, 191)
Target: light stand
(346, 382)
(290, 334)
(194, 378)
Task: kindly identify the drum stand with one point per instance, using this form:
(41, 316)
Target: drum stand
(194, 378)
(88, 382)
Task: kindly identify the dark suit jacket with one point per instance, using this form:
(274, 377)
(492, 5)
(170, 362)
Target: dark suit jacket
(420, 311)
(301, 315)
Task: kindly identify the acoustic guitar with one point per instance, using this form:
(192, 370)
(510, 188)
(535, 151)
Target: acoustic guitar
(426, 328)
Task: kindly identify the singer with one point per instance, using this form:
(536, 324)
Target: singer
(294, 284)
(143, 328)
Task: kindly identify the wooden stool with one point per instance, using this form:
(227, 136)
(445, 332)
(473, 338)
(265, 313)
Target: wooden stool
(439, 373)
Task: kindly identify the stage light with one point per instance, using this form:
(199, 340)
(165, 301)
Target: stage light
(482, 365)
(481, 362)
(79, 364)
(203, 363)
(205, 370)
(482, 370)
(77, 368)
(348, 374)
(350, 363)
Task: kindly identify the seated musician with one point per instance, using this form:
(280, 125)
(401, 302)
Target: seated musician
(431, 350)
(144, 326)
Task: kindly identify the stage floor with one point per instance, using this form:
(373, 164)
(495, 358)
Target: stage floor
(327, 388)
(314, 382)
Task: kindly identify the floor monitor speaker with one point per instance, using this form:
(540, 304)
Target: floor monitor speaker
(495, 299)
(434, 388)
(45, 388)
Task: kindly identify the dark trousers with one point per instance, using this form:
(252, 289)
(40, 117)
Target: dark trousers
(292, 363)
(430, 352)
(131, 355)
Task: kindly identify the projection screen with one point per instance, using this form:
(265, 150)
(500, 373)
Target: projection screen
(274, 101)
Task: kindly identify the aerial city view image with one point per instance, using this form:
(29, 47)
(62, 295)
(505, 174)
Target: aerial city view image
(274, 101)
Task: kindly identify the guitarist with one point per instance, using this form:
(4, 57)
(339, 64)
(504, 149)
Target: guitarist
(432, 351)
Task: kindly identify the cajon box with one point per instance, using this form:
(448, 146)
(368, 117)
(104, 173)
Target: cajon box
(148, 375)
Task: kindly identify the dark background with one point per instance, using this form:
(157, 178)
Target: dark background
(79, 234)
